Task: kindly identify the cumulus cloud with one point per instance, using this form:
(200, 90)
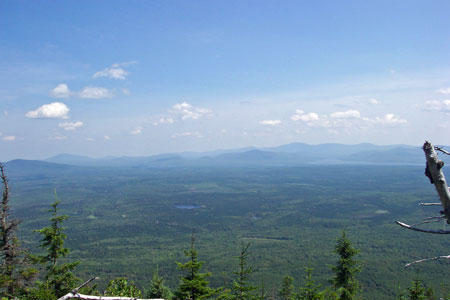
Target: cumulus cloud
(445, 91)
(270, 122)
(187, 111)
(435, 105)
(373, 101)
(390, 119)
(345, 119)
(70, 125)
(349, 114)
(107, 137)
(184, 134)
(163, 121)
(57, 137)
(60, 91)
(300, 115)
(55, 110)
(9, 138)
(116, 71)
(137, 130)
(93, 92)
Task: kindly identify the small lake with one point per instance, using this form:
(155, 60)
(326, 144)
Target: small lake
(187, 206)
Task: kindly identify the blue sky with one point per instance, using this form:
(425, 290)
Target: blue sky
(135, 78)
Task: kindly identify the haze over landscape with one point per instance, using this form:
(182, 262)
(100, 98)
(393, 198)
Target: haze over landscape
(139, 78)
(283, 127)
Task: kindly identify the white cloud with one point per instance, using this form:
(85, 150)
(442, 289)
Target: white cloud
(390, 119)
(106, 137)
(115, 71)
(61, 91)
(137, 130)
(55, 110)
(301, 116)
(125, 91)
(57, 137)
(166, 120)
(187, 111)
(184, 134)
(270, 122)
(373, 101)
(349, 114)
(70, 125)
(9, 138)
(435, 105)
(90, 139)
(93, 92)
(445, 91)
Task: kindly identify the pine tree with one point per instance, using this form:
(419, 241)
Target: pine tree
(59, 277)
(122, 287)
(157, 289)
(345, 270)
(286, 289)
(193, 285)
(241, 289)
(310, 290)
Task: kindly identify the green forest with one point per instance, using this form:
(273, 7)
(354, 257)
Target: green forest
(303, 232)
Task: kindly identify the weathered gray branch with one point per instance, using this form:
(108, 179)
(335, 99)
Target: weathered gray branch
(89, 297)
(430, 204)
(75, 295)
(440, 231)
(434, 172)
(427, 259)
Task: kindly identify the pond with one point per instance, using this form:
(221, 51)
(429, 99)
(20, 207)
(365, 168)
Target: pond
(188, 206)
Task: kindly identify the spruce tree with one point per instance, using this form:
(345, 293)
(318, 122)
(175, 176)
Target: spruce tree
(344, 281)
(15, 274)
(242, 289)
(122, 287)
(193, 284)
(286, 289)
(310, 290)
(58, 277)
(157, 288)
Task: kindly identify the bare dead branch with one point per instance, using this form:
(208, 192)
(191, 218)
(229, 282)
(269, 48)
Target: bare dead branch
(442, 150)
(74, 291)
(434, 220)
(89, 297)
(440, 231)
(434, 172)
(74, 294)
(427, 259)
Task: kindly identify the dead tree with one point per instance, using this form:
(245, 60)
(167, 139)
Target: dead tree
(433, 170)
(75, 295)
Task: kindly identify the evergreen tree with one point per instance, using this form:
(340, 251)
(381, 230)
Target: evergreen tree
(122, 287)
(263, 294)
(242, 289)
(59, 277)
(310, 290)
(417, 291)
(345, 270)
(286, 289)
(14, 272)
(157, 289)
(193, 285)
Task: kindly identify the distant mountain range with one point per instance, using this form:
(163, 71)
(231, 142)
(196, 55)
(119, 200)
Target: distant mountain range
(286, 155)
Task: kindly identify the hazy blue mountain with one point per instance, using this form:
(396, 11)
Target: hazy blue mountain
(284, 155)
